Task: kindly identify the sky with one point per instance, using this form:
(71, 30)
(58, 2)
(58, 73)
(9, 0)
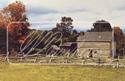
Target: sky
(44, 14)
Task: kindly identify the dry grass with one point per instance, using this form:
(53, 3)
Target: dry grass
(60, 73)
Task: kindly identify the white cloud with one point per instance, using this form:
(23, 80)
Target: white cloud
(84, 12)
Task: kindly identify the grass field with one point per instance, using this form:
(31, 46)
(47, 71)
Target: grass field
(60, 73)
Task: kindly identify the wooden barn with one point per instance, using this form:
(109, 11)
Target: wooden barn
(96, 44)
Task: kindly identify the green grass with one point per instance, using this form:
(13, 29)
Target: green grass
(60, 73)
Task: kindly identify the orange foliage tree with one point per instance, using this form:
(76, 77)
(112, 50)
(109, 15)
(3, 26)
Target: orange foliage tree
(13, 17)
(1, 20)
(119, 40)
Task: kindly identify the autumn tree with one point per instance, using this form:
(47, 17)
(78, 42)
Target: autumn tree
(13, 17)
(119, 37)
(2, 25)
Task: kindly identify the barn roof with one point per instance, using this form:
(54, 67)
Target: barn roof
(96, 37)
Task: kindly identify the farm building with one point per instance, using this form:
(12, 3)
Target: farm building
(96, 44)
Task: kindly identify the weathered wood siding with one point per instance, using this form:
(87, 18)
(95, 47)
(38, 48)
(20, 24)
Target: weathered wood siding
(102, 48)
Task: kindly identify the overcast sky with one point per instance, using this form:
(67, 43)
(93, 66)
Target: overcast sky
(46, 13)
